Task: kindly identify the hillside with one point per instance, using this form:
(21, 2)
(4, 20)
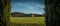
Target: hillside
(20, 14)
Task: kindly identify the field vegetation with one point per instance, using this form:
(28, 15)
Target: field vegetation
(27, 21)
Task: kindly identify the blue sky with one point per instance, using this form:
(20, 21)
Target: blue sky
(28, 6)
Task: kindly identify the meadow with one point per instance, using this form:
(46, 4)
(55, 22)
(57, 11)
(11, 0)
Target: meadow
(27, 21)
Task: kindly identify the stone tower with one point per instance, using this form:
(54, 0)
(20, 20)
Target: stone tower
(32, 15)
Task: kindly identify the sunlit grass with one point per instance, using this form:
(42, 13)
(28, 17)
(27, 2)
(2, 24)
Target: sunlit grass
(28, 20)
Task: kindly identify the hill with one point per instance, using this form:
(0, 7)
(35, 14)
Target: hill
(20, 14)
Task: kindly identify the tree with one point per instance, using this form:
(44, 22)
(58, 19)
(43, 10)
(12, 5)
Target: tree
(52, 10)
(4, 12)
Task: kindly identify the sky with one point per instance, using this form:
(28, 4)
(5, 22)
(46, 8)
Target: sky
(28, 6)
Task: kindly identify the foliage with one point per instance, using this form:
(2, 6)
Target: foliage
(52, 12)
(4, 12)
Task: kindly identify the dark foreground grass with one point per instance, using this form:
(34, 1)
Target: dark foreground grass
(25, 24)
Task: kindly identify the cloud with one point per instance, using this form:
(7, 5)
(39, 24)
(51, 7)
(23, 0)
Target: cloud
(28, 7)
(22, 4)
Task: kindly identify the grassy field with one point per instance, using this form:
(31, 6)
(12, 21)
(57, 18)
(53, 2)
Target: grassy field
(27, 21)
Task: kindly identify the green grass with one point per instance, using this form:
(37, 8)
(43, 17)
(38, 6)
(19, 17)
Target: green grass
(27, 21)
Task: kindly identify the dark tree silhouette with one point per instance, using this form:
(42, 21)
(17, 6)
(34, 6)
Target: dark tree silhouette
(52, 10)
(4, 12)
